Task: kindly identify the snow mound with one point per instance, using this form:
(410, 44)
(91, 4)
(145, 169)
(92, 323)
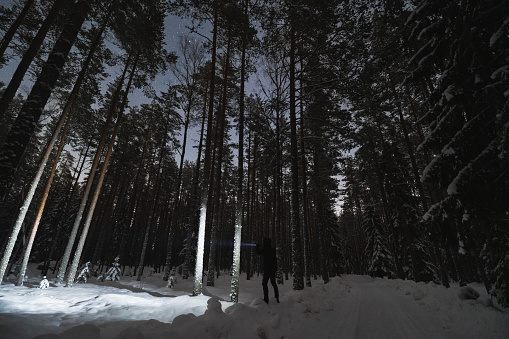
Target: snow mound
(468, 293)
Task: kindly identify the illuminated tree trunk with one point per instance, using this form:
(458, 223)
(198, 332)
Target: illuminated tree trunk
(193, 216)
(197, 288)
(42, 204)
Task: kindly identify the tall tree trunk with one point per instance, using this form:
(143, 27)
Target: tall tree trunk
(134, 201)
(197, 289)
(86, 226)
(105, 224)
(305, 217)
(193, 214)
(321, 211)
(297, 258)
(14, 27)
(148, 228)
(249, 266)
(24, 126)
(173, 223)
(218, 169)
(74, 231)
(61, 218)
(42, 204)
(156, 198)
(237, 237)
(27, 59)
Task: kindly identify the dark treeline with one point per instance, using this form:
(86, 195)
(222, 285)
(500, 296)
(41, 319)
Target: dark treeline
(373, 139)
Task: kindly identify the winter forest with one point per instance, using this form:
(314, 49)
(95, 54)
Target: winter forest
(363, 137)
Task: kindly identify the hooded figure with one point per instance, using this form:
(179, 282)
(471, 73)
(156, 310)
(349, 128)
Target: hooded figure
(269, 268)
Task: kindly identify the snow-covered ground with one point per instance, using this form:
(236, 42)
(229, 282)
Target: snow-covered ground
(347, 307)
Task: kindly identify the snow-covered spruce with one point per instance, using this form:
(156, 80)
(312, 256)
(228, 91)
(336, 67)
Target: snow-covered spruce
(113, 273)
(85, 273)
(44, 283)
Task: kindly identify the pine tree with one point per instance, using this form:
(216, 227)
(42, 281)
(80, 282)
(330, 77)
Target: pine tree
(467, 122)
(381, 262)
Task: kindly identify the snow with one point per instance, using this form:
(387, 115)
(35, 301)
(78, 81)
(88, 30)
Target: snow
(347, 307)
(494, 38)
(449, 93)
(504, 70)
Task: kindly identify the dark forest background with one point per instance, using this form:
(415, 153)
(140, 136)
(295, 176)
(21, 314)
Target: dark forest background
(376, 142)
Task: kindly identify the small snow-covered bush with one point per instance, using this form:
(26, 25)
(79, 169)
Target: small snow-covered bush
(84, 274)
(468, 293)
(113, 273)
(44, 283)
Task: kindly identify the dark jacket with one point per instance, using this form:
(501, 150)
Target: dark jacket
(268, 256)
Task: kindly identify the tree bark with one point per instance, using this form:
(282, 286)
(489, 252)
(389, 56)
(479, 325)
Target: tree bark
(298, 274)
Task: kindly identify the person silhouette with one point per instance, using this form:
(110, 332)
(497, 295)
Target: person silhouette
(269, 260)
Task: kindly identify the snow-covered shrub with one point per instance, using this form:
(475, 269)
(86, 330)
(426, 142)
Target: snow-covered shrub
(171, 281)
(44, 283)
(84, 274)
(468, 293)
(113, 273)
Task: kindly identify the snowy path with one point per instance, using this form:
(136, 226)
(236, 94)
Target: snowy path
(370, 311)
(349, 307)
